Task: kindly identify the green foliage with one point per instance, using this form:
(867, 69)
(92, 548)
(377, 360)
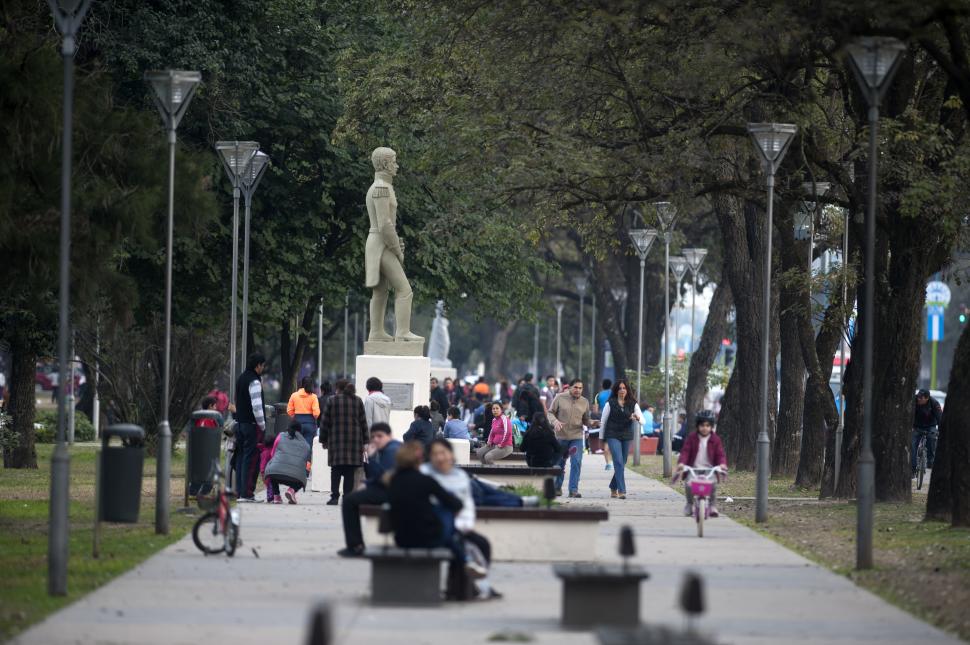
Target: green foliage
(9, 439)
(45, 425)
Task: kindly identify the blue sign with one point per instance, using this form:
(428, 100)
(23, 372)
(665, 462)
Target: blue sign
(934, 328)
(934, 310)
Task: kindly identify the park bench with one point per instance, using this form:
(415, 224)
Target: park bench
(512, 474)
(526, 534)
(409, 577)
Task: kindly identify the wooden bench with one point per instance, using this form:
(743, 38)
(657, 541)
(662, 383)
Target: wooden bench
(557, 534)
(512, 474)
(408, 577)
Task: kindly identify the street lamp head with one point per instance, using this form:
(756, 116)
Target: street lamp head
(254, 172)
(694, 258)
(558, 302)
(678, 266)
(236, 158)
(173, 91)
(68, 14)
(620, 294)
(642, 239)
(666, 214)
(815, 189)
(582, 282)
(771, 140)
(874, 60)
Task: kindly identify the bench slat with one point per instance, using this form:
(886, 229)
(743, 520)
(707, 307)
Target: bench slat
(555, 514)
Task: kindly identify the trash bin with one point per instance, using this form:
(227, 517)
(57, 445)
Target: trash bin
(121, 473)
(204, 441)
(282, 420)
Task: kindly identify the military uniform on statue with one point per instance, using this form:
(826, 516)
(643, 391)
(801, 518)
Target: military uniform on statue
(398, 359)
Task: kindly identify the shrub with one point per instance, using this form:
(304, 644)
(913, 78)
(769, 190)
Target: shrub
(46, 426)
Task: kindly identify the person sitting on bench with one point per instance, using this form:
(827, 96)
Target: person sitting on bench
(381, 452)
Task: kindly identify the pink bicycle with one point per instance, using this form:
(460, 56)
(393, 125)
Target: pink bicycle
(701, 482)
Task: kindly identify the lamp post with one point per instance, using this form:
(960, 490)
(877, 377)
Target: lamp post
(874, 61)
(68, 15)
(250, 180)
(592, 339)
(642, 239)
(236, 157)
(695, 258)
(173, 91)
(581, 283)
(666, 214)
(535, 349)
(620, 294)
(558, 302)
(771, 140)
(805, 221)
(320, 344)
(346, 330)
(678, 266)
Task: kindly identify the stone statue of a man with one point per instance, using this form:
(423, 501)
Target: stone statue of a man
(384, 254)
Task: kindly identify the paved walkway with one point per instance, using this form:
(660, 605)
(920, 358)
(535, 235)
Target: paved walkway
(758, 592)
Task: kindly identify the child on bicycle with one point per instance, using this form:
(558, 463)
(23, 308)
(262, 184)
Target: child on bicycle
(702, 449)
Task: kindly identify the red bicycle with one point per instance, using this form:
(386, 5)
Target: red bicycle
(218, 528)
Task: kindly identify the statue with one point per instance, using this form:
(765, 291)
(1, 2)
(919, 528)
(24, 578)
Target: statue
(440, 341)
(384, 263)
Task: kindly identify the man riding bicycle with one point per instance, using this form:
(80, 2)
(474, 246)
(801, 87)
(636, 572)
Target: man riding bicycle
(926, 421)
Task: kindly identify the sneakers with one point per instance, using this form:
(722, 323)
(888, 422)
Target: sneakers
(277, 500)
(714, 512)
(575, 493)
(608, 467)
(530, 500)
(558, 492)
(247, 500)
(614, 494)
(475, 570)
(621, 496)
(688, 509)
(354, 552)
(291, 496)
(333, 501)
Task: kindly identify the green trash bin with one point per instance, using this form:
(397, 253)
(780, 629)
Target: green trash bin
(282, 421)
(204, 442)
(121, 473)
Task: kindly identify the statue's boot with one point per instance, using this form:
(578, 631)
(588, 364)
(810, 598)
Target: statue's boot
(378, 304)
(402, 320)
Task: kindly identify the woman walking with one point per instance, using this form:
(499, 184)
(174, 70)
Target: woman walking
(619, 425)
(344, 434)
(304, 407)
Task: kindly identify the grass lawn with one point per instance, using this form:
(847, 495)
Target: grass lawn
(922, 567)
(23, 536)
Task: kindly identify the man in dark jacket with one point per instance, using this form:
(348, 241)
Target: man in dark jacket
(927, 414)
(380, 459)
(250, 425)
(438, 394)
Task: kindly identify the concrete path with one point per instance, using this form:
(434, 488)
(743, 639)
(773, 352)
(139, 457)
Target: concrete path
(758, 592)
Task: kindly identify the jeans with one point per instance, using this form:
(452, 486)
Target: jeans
(619, 449)
(246, 459)
(308, 427)
(932, 434)
(370, 496)
(574, 449)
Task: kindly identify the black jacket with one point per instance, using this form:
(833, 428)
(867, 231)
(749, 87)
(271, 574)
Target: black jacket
(542, 449)
(618, 424)
(244, 405)
(929, 415)
(416, 525)
(438, 394)
(422, 431)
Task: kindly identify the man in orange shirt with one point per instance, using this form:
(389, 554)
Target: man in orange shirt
(482, 388)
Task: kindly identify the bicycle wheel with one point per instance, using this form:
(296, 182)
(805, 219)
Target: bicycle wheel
(700, 509)
(232, 539)
(207, 535)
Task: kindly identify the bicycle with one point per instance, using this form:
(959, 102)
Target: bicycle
(921, 461)
(701, 482)
(218, 528)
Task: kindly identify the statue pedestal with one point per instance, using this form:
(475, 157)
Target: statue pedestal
(319, 471)
(406, 382)
(441, 373)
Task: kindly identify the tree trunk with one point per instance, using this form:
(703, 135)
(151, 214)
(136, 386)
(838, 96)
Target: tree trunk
(794, 302)
(949, 496)
(292, 362)
(22, 402)
(496, 353)
(743, 230)
(707, 350)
